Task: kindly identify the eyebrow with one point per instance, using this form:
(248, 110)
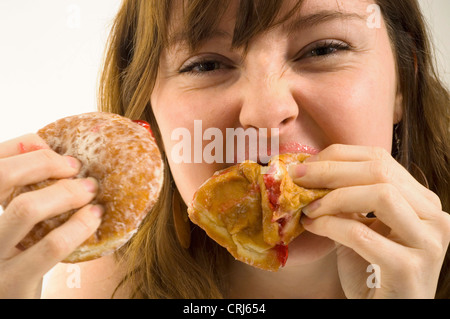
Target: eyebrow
(302, 22)
(314, 19)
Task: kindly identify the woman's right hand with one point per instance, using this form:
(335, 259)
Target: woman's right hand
(28, 160)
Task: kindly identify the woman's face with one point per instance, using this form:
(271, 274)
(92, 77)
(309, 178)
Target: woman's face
(326, 76)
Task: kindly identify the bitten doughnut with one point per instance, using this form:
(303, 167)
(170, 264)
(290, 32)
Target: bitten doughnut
(125, 160)
(254, 211)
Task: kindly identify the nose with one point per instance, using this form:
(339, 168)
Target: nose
(267, 101)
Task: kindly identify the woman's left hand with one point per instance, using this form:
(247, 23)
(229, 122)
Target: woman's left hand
(407, 241)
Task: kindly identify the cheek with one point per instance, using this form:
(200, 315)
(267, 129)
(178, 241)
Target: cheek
(176, 113)
(354, 108)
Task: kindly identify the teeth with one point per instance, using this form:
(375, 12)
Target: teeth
(264, 160)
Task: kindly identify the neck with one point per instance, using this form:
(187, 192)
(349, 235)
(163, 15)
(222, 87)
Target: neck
(318, 279)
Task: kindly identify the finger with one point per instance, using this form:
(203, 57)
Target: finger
(367, 243)
(384, 200)
(37, 166)
(381, 170)
(350, 153)
(333, 175)
(27, 209)
(59, 243)
(21, 145)
(336, 174)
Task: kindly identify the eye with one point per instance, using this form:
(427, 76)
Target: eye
(203, 66)
(323, 49)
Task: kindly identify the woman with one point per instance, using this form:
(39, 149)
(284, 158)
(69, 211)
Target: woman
(352, 79)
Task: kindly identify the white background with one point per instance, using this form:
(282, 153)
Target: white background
(50, 57)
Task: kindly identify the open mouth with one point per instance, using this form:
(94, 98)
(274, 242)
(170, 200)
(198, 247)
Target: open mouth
(290, 147)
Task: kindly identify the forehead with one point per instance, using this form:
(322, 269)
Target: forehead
(194, 21)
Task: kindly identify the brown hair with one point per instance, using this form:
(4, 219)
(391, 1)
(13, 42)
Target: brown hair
(424, 129)
(158, 266)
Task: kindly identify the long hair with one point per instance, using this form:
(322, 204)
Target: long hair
(158, 267)
(424, 129)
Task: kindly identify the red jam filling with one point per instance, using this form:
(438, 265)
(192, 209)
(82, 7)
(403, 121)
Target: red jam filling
(144, 124)
(281, 223)
(273, 189)
(282, 253)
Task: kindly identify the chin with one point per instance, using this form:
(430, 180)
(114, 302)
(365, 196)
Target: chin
(308, 248)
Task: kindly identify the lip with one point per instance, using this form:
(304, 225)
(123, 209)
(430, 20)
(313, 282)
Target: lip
(294, 147)
(289, 147)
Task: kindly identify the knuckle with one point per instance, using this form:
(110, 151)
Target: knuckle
(434, 248)
(22, 208)
(327, 168)
(360, 233)
(59, 243)
(338, 197)
(434, 199)
(426, 258)
(444, 222)
(379, 153)
(381, 171)
(84, 225)
(55, 246)
(324, 172)
(387, 194)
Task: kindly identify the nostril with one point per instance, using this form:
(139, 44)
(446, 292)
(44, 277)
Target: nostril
(286, 121)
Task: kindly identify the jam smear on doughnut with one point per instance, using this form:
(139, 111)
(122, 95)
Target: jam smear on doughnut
(145, 125)
(282, 253)
(273, 188)
(282, 249)
(281, 223)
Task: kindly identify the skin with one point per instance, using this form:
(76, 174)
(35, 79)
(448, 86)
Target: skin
(343, 103)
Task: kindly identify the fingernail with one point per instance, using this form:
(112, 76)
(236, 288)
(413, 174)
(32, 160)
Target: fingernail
(297, 171)
(305, 220)
(90, 184)
(97, 210)
(309, 209)
(73, 162)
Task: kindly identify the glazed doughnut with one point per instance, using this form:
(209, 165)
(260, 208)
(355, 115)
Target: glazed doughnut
(125, 160)
(254, 211)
